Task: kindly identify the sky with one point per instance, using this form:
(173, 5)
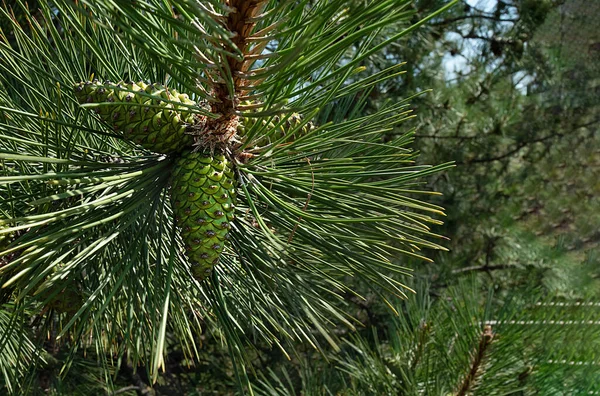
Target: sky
(453, 64)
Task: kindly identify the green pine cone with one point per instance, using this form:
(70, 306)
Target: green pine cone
(203, 197)
(285, 129)
(159, 129)
(290, 124)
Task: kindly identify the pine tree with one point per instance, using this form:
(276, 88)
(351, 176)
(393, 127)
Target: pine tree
(522, 127)
(224, 192)
(99, 257)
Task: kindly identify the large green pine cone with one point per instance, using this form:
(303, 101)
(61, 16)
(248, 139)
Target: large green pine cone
(160, 129)
(203, 197)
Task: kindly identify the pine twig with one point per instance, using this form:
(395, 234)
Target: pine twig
(509, 153)
(229, 83)
(473, 17)
(487, 337)
(126, 389)
(240, 22)
(485, 268)
(424, 329)
(141, 388)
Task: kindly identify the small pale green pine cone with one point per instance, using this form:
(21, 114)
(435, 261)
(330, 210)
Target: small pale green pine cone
(285, 129)
(160, 129)
(203, 197)
(291, 123)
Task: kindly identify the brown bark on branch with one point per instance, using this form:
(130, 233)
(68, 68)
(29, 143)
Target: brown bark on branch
(230, 83)
(241, 21)
(485, 268)
(476, 369)
(518, 148)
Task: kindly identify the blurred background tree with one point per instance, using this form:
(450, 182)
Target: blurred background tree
(517, 110)
(514, 103)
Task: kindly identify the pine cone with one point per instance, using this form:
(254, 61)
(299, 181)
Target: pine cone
(160, 129)
(285, 129)
(203, 197)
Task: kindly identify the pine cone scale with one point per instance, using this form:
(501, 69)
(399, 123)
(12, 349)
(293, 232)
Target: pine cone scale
(203, 200)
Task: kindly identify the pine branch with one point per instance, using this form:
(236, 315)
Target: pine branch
(127, 389)
(424, 330)
(477, 268)
(477, 364)
(509, 153)
(140, 387)
(108, 226)
(240, 21)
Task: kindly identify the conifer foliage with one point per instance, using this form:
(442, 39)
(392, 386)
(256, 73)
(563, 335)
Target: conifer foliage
(234, 144)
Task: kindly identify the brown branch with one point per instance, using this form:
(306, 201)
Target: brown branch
(141, 388)
(587, 124)
(487, 336)
(449, 137)
(518, 148)
(126, 389)
(485, 268)
(230, 82)
(474, 36)
(424, 330)
(240, 22)
(455, 137)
